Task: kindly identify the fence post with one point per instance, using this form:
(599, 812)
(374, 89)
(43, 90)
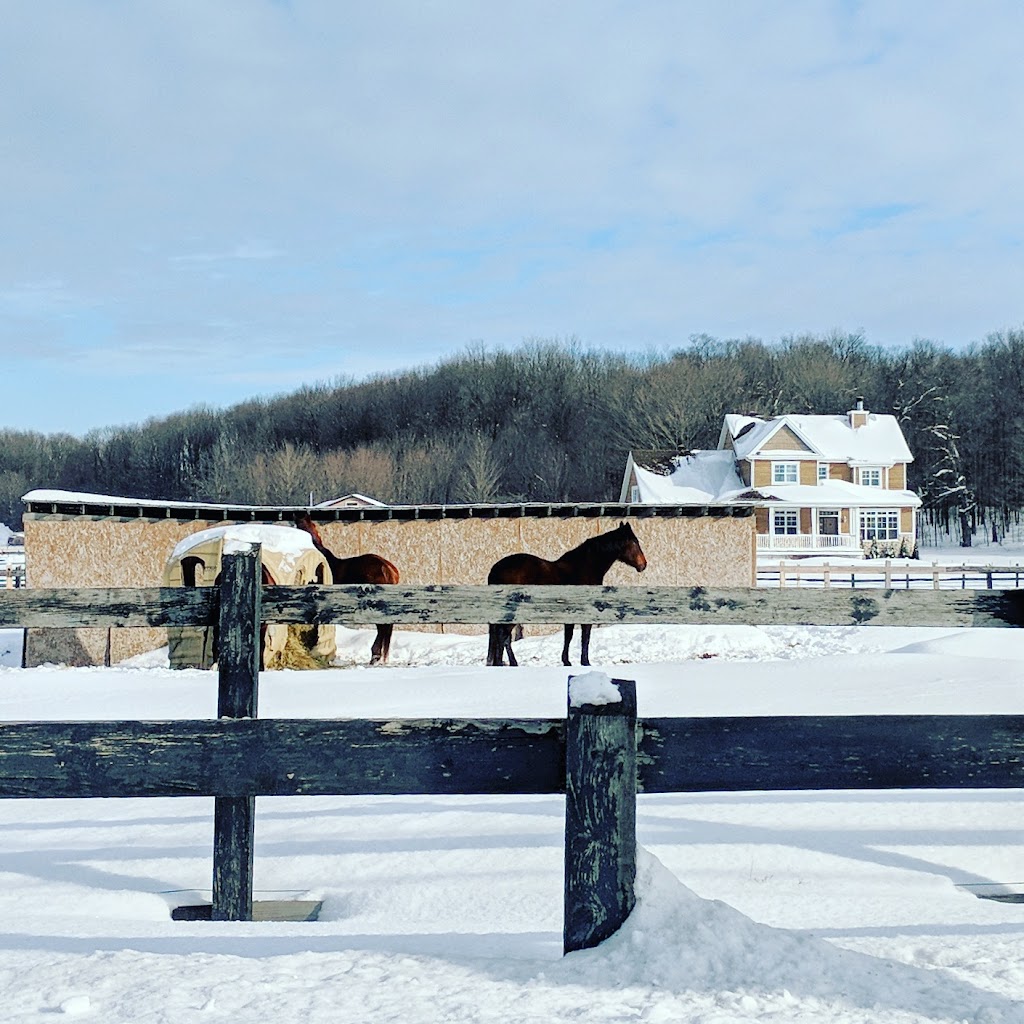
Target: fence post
(238, 663)
(600, 808)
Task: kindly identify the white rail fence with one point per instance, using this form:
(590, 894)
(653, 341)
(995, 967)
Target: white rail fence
(891, 576)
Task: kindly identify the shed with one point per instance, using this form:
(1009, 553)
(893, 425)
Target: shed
(288, 558)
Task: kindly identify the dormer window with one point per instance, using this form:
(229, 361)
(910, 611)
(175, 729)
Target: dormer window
(822, 472)
(785, 472)
(871, 476)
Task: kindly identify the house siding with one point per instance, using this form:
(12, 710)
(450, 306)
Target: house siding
(898, 477)
(784, 440)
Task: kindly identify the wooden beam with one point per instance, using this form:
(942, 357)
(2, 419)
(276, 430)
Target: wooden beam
(238, 634)
(281, 757)
(238, 664)
(184, 606)
(637, 604)
(686, 755)
(600, 817)
(73, 607)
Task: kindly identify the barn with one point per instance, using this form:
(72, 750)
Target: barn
(89, 540)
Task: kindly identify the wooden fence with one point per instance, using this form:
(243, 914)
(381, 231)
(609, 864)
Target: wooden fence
(12, 577)
(600, 756)
(888, 576)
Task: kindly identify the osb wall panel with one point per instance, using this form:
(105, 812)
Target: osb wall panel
(98, 553)
(702, 551)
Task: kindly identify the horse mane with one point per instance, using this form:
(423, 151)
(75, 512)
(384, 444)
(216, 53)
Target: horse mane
(609, 543)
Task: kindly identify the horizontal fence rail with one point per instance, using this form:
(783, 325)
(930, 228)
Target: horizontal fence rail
(396, 757)
(409, 605)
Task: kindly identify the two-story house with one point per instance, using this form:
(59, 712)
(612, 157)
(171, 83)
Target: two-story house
(820, 484)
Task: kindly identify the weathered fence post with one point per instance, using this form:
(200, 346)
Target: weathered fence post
(600, 808)
(238, 661)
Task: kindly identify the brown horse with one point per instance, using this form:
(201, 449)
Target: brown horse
(368, 568)
(585, 565)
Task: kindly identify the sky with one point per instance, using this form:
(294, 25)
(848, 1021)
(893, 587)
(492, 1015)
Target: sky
(202, 203)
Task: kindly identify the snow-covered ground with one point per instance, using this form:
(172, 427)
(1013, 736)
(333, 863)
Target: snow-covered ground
(845, 908)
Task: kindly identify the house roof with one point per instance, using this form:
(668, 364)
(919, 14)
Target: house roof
(879, 442)
(710, 476)
(701, 476)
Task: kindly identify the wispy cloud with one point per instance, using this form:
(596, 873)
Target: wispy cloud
(365, 187)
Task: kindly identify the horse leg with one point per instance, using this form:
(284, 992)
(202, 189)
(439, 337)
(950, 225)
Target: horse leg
(494, 656)
(506, 633)
(565, 646)
(585, 629)
(381, 646)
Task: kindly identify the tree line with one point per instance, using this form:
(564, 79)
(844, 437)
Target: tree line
(553, 421)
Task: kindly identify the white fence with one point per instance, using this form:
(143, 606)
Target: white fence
(892, 576)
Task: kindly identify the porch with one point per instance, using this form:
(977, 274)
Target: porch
(809, 543)
(821, 543)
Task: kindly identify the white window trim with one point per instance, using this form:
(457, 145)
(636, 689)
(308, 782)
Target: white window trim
(890, 517)
(785, 467)
(883, 473)
(822, 473)
(784, 516)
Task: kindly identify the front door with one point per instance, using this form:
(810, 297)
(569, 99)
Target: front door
(828, 522)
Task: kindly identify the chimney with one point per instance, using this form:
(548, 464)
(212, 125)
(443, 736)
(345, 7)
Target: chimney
(858, 414)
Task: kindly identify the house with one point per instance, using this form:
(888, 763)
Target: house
(821, 484)
(351, 501)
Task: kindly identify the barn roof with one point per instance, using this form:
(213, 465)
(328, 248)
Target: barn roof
(73, 505)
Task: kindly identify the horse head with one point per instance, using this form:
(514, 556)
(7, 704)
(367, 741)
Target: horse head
(631, 552)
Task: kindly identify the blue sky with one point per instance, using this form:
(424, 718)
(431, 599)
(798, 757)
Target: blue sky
(204, 202)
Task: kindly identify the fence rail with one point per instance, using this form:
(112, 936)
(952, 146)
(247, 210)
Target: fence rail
(889, 576)
(240, 756)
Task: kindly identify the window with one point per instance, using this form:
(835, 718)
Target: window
(871, 476)
(634, 494)
(879, 524)
(785, 521)
(822, 472)
(785, 472)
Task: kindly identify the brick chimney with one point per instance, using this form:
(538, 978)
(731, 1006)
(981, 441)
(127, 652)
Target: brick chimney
(858, 414)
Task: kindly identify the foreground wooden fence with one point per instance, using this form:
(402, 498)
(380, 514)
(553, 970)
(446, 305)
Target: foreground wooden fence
(599, 755)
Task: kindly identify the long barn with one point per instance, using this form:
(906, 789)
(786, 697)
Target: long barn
(91, 540)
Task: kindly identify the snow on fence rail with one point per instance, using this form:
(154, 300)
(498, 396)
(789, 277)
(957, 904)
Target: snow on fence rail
(889, 576)
(599, 755)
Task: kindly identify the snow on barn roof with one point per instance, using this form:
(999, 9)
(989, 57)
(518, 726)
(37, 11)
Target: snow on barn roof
(878, 442)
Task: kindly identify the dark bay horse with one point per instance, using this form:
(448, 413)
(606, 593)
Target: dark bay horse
(368, 568)
(585, 565)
